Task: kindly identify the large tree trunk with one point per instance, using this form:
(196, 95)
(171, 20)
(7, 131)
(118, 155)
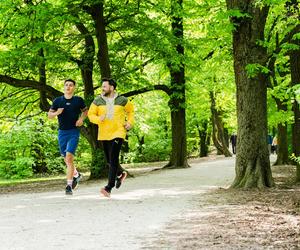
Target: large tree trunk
(252, 160)
(97, 13)
(282, 148)
(218, 134)
(178, 157)
(295, 75)
(98, 167)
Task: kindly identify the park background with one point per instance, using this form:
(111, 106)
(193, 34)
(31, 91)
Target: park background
(197, 72)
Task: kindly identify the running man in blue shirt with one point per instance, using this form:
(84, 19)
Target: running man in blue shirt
(71, 112)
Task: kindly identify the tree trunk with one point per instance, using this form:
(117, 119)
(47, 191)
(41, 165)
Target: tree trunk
(218, 129)
(178, 157)
(282, 141)
(86, 64)
(44, 104)
(226, 136)
(98, 167)
(203, 139)
(125, 149)
(295, 75)
(97, 13)
(252, 160)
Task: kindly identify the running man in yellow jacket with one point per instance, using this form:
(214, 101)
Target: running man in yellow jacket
(114, 116)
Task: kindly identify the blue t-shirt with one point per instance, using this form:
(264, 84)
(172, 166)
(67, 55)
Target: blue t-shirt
(72, 109)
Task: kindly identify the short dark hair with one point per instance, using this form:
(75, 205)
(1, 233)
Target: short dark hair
(70, 80)
(110, 81)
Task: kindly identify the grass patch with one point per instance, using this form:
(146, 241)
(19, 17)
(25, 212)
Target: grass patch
(11, 182)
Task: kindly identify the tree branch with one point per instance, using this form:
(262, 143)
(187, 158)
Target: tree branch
(288, 38)
(25, 107)
(11, 95)
(30, 116)
(164, 88)
(31, 84)
(272, 28)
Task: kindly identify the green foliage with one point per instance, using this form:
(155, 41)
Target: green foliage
(28, 148)
(254, 69)
(295, 158)
(151, 136)
(237, 13)
(296, 91)
(15, 159)
(141, 53)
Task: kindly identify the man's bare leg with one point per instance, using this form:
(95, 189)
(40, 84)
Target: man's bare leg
(75, 172)
(69, 160)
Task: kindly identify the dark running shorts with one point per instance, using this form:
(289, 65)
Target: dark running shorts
(68, 141)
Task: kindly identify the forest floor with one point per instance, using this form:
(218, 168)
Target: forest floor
(239, 219)
(166, 209)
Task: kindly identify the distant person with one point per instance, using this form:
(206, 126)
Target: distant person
(233, 139)
(71, 112)
(274, 145)
(270, 140)
(114, 115)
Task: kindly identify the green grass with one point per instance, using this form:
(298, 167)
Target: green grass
(8, 182)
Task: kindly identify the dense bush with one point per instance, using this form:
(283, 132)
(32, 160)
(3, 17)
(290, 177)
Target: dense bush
(151, 150)
(15, 158)
(28, 148)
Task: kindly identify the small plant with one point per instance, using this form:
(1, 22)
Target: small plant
(295, 158)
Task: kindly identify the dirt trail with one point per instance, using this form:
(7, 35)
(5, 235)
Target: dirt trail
(131, 219)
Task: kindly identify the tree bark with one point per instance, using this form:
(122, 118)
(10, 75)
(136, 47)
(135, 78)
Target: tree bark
(252, 160)
(178, 157)
(295, 75)
(218, 134)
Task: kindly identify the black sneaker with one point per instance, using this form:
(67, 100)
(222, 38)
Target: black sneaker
(120, 179)
(69, 190)
(76, 180)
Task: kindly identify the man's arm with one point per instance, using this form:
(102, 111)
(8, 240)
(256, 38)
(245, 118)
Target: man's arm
(92, 114)
(54, 113)
(82, 117)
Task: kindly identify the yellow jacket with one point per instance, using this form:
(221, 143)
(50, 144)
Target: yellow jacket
(113, 124)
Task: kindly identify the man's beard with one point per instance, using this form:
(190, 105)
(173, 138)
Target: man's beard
(106, 93)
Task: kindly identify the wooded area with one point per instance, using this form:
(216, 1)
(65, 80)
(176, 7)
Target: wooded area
(197, 72)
